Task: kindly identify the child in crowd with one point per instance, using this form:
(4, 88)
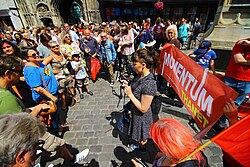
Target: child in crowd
(80, 74)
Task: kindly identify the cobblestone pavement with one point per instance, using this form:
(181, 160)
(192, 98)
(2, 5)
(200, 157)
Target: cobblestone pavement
(91, 128)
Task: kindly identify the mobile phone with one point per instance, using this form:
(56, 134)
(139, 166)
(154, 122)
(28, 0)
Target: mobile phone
(140, 162)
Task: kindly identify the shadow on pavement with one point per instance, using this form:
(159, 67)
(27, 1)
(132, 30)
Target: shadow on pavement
(175, 113)
(46, 159)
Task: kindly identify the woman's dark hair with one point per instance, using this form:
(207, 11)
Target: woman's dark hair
(9, 63)
(20, 35)
(24, 51)
(44, 37)
(151, 59)
(16, 49)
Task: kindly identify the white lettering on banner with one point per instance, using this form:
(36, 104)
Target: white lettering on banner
(185, 77)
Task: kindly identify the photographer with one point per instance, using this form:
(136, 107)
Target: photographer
(141, 93)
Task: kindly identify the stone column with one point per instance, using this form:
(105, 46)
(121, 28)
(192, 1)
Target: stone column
(231, 23)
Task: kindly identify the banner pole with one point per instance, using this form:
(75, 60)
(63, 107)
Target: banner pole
(212, 140)
(196, 151)
(17, 92)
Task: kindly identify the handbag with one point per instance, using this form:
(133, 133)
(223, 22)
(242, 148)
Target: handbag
(124, 121)
(53, 106)
(95, 67)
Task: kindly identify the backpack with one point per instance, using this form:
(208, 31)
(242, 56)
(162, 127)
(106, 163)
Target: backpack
(197, 28)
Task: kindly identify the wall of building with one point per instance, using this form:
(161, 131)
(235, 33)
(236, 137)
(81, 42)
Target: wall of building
(176, 9)
(9, 11)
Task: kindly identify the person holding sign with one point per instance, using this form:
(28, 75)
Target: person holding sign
(238, 70)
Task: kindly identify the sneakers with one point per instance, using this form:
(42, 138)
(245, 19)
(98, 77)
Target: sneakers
(81, 96)
(90, 93)
(82, 155)
(112, 84)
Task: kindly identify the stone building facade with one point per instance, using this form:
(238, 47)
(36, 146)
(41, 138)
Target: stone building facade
(54, 12)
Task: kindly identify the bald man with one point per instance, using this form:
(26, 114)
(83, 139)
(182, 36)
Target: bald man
(90, 48)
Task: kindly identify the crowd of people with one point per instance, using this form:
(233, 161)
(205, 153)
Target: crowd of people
(42, 68)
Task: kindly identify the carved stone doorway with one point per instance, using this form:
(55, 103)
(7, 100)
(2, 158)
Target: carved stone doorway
(47, 22)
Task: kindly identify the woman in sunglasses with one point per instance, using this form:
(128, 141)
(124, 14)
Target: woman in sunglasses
(68, 45)
(58, 61)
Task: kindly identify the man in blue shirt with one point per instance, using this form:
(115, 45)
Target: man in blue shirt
(108, 56)
(204, 55)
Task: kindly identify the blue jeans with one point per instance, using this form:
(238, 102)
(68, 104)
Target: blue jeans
(242, 87)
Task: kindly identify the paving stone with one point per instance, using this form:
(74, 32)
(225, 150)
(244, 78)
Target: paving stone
(105, 156)
(69, 135)
(92, 103)
(87, 127)
(96, 148)
(97, 127)
(75, 128)
(93, 141)
(108, 148)
(82, 141)
(89, 134)
(79, 134)
(215, 159)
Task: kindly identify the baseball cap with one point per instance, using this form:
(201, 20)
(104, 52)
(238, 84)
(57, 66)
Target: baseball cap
(203, 47)
(75, 52)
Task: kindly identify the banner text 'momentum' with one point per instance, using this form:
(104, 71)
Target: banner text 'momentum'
(190, 83)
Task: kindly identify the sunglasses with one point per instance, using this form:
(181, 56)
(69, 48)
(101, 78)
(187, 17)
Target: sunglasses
(170, 32)
(103, 36)
(67, 37)
(34, 55)
(55, 46)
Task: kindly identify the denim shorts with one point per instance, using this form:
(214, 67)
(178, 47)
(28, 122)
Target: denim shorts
(242, 87)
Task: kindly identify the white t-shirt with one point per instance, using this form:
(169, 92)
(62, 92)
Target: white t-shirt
(81, 73)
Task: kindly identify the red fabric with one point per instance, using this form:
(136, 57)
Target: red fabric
(235, 141)
(158, 5)
(158, 31)
(95, 67)
(202, 93)
(81, 31)
(236, 70)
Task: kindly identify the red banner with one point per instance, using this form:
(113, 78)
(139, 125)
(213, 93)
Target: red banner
(235, 141)
(202, 93)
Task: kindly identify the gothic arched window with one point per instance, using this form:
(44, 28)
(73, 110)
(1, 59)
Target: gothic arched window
(42, 8)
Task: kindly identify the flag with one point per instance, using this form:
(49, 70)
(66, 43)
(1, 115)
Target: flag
(235, 142)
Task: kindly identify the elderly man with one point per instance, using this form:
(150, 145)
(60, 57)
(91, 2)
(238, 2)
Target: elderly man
(108, 56)
(19, 138)
(90, 47)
